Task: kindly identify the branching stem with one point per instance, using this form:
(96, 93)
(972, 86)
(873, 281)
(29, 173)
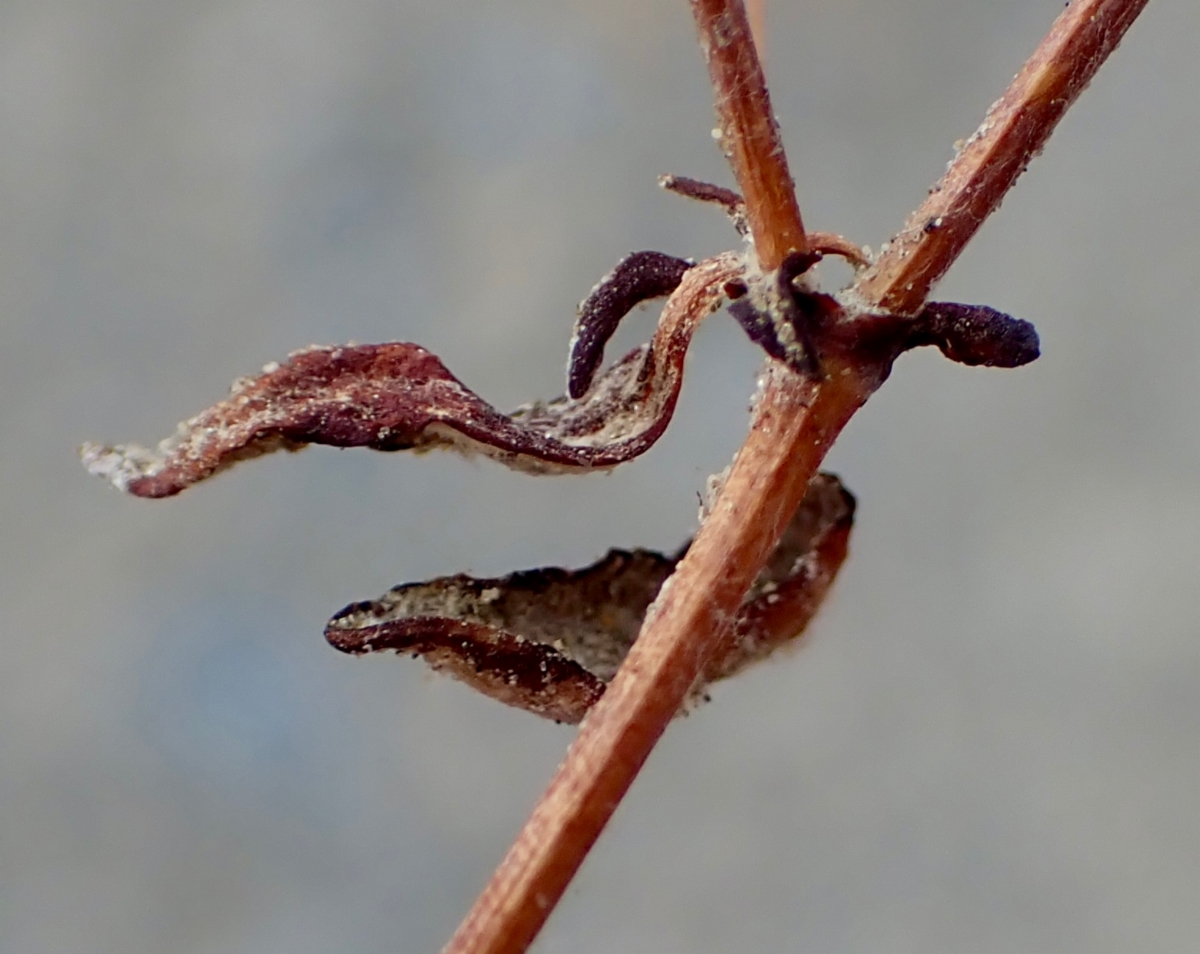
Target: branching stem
(795, 423)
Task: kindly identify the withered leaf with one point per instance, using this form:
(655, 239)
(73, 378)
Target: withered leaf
(638, 277)
(975, 335)
(398, 396)
(550, 640)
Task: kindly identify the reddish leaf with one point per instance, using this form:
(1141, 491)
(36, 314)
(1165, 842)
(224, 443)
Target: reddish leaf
(399, 396)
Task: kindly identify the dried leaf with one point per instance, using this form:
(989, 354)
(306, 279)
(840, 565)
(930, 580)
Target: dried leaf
(975, 335)
(550, 640)
(398, 396)
(779, 317)
(638, 277)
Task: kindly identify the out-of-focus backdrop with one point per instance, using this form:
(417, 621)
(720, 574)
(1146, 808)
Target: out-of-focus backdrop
(989, 742)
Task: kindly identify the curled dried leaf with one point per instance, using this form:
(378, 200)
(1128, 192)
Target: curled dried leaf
(550, 640)
(398, 396)
(638, 277)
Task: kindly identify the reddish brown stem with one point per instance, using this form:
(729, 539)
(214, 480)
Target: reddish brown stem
(793, 427)
(749, 136)
(688, 619)
(1014, 130)
(697, 604)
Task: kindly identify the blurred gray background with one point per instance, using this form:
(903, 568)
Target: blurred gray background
(990, 741)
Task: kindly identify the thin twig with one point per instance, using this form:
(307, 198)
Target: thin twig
(749, 135)
(794, 425)
(1014, 130)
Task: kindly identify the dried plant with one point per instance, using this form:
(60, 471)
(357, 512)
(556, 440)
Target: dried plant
(630, 640)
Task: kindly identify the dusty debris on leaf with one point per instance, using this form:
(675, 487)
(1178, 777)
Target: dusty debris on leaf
(550, 640)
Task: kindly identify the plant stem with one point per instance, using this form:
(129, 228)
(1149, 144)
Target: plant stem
(749, 136)
(1014, 130)
(794, 425)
